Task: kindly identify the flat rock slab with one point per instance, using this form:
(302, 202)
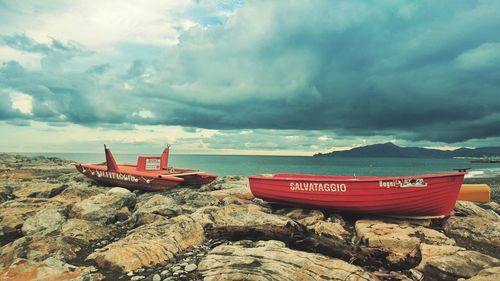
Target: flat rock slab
(433, 251)
(271, 260)
(104, 207)
(401, 241)
(150, 244)
(489, 274)
(15, 212)
(77, 192)
(63, 240)
(39, 189)
(49, 269)
(481, 233)
(43, 220)
(462, 264)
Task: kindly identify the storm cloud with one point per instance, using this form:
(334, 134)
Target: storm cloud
(421, 70)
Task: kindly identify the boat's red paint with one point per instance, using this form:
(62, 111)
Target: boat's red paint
(421, 195)
(156, 176)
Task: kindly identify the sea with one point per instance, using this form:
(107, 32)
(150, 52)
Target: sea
(245, 165)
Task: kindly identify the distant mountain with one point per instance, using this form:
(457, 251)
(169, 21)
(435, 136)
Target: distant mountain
(391, 150)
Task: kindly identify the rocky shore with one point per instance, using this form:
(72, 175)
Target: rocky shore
(57, 225)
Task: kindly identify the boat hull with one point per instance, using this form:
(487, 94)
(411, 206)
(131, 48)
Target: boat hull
(130, 178)
(422, 195)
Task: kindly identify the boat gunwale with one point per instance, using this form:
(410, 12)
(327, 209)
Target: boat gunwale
(329, 178)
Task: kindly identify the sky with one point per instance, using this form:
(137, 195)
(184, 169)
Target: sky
(248, 77)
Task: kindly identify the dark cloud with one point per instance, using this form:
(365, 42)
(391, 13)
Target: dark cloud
(422, 70)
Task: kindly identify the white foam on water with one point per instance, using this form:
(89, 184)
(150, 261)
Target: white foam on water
(484, 173)
(474, 174)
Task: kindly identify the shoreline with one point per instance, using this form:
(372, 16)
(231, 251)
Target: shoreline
(92, 232)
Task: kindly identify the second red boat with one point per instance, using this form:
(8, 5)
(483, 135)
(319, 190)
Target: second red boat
(421, 195)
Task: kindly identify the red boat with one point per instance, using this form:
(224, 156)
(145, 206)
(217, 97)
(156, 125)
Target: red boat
(150, 173)
(422, 195)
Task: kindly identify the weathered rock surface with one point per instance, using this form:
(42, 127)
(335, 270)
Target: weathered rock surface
(229, 186)
(432, 251)
(15, 212)
(39, 189)
(104, 207)
(315, 221)
(63, 240)
(235, 215)
(49, 269)
(475, 227)
(489, 274)
(77, 192)
(84, 230)
(150, 244)
(40, 247)
(272, 260)
(189, 201)
(46, 219)
(462, 264)
(401, 241)
(154, 208)
(464, 208)
(6, 192)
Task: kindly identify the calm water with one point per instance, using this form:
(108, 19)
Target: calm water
(250, 165)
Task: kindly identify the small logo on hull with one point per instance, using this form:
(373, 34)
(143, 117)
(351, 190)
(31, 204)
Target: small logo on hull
(403, 183)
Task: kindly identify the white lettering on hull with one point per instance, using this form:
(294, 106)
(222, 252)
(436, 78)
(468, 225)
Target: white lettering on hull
(314, 186)
(116, 176)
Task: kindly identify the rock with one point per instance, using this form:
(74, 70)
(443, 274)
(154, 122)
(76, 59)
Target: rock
(227, 185)
(85, 230)
(271, 260)
(150, 244)
(176, 268)
(465, 208)
(489, 274)
(77, 192)
(103, 207)
(462, 264)
(475, 232)
(400, 241)
(137, 278)
(47, 219)
(314, 220)
(236, 222)
(433, 251)
(118, 190)
(190, 267)
(238, 215)
(15, 212)
(39, 189)
(49, 269)
(190, 200)
(5, 193)
(40, 247)
(329, 229)
(156, 277)
(494, 206)
(156, 207)
(64, 243)
(307, 217)
(165, 272)
(232, 200)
